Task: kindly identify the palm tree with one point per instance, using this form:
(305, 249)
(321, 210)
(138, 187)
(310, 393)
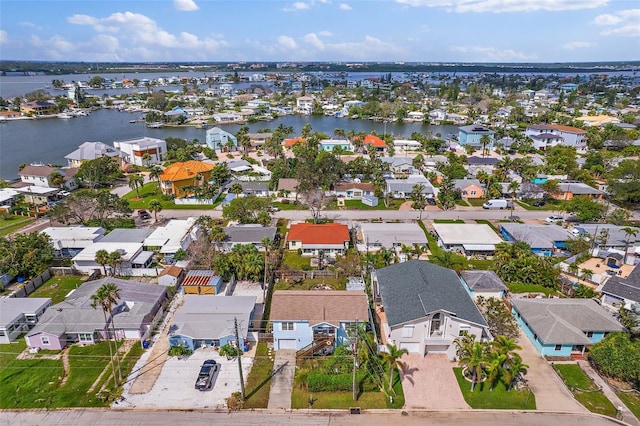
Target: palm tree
(111, 294)
(99, 298)
(463, 344)
(516, 368)
(155, 206)
(135, 181)
(155, 173)
(236, 188)
(115, 258)
(475, 361)
(630, 232)
(573, 268)
(514, 186)
(392, 356)
(56, 179)
(495, 367)
(216, 236)
(586, 274)
(146, 157)
(506, 346)
(485, 140)
(265, 243)
(102, 257)
(447, 259)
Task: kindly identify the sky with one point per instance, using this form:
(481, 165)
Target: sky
(349, 31)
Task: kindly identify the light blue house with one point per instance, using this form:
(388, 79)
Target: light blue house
(314, 321)
(563, 327)
(210, 320)
(483, 283)
(218, 139)
(471, 135)
(544, 240)
(331, 144)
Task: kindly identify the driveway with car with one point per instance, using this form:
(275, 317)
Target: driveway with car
(428, 383)
(174, 388)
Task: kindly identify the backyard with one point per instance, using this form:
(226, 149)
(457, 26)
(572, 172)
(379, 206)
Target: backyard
(498, 398)
(259, 379)
(311, 283)
(150, 192)
(584, 390)
(11, 222)
(294, 261)
(57, 287)
(530, 288)
(22, 388)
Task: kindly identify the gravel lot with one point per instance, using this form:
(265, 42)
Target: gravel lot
(175, 385)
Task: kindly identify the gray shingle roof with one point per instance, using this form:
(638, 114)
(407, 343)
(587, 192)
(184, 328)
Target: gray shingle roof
(483, 280)
(124, 235)
(412, 289)
(537, 236)
(565, 321)
(249, 234)
(626, 288)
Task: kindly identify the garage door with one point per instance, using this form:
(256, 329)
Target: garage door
(436, 349)
(287, 343)
(413, 348)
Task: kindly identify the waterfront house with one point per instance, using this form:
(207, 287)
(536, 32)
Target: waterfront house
(203, 321)
(406, 145)
(372, 143)
(218, 139)
(423, 308)
(304, 104)
(332, 144)
(227, 118)
(562, 327)
(316, 319)
(544, 240)
(134, 150)
(37, 108)
(19, 314)
(179, 179)
(472, 135)
(40, 176)
(330, 238)
(483, 284)
(90, 151)
(247, 234)
(258, 139)
(289, 143)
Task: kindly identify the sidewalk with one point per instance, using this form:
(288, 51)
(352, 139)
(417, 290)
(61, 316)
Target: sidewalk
(627, 415)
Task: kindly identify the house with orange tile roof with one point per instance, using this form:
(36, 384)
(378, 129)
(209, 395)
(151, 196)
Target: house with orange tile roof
(184, 174)
(289, 143)
(373, 143)
(330, 238)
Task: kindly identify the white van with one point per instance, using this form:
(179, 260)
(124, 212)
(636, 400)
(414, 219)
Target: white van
(496, 204)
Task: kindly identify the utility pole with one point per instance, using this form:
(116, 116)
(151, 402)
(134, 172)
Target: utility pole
(235, 326)
(355, 362)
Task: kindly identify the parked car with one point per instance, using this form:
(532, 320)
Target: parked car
(144, 215)
(64, 193)
(206, 374)
(539, 203)
(274, 209)
(554, 219)
(431, 201)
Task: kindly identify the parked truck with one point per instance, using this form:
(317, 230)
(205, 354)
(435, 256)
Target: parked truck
(497, 204)
(205, 377)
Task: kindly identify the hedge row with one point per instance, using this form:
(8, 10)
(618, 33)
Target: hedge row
(317, 381)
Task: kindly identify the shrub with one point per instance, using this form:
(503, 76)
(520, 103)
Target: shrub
(179, 351)
(317, 381)
(618, 356)
(285, 201)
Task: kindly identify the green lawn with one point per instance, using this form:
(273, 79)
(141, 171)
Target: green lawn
(529, 288)
(552, 205)
(577, 382)
(310, 283)
(12, 223)
(497, 399)
(481, 264)
(258, 382)
(288, 206)
(448, 221)
(358, 205)
(632, 401)
(344, 399)
(35, 383)
(150, 192)
(476, 202)
(295, 261)
(58, 287)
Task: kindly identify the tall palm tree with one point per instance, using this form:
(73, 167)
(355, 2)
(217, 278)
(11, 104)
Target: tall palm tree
(99, 299)
(506, 346)
(266, 242)
(216, 236)
(630, 232)
(513, 188)
(135, 182)
(102, 257)
(392, 357)
(236, 188)
(495, 367)
(475, 361)
(516, 368)
(447, 259)
(115, 258)
(485, 140)
(155, 173)
(111, 298)
(155, 207)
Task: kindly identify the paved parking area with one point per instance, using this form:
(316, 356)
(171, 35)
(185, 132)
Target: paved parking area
(428, 382)
(175, 387)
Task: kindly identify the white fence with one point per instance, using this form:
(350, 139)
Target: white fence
(193, 201)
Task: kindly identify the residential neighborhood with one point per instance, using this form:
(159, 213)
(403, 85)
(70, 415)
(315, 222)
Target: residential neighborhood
(492, 267)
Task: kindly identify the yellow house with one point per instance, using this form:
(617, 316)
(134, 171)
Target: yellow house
(180, 175)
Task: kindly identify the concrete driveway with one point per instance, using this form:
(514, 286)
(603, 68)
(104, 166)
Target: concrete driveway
(175, 387)
(551, 394)
(429, 383)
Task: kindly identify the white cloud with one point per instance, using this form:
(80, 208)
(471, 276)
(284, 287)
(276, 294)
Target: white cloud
(576, 45)
(30, 25)
(345, 6)
(325, 33)
(626, 22)
(4, 37)
(297, 6)
(185, 5)
(491, 54)
(500, 6)
(287, 42)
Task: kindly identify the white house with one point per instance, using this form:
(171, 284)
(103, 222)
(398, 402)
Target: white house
(304, 104)
(134, 150)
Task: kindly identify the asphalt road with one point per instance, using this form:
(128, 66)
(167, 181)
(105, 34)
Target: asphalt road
(300, 417)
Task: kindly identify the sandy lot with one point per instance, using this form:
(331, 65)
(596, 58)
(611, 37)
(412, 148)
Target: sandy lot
(175, 385)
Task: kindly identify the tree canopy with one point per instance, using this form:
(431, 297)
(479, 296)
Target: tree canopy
(99, 172)
(86, 205)
(246, 209)
(25, 255)
(624, 182)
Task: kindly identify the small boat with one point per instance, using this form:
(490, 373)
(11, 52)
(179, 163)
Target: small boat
(64, 115)
(155, 125)
(133, 121)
